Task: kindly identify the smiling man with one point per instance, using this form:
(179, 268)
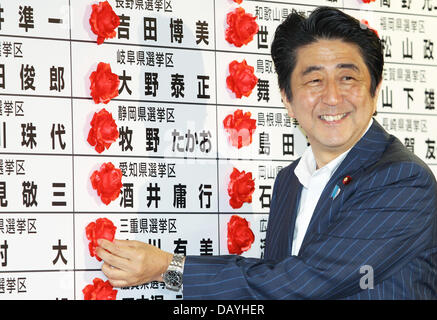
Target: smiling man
(332, 97)
(356, 206)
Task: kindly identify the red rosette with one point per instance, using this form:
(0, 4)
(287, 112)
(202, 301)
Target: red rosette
(99, 290)
(241, 79)
(104, 83)
(103, 131)
(240, 236)
(241, 27)
(102, 228)
(238, 1)
(240, 188)
(240, 128)
(107, 182)
(103, 21)
(366, 23)
(368, 1)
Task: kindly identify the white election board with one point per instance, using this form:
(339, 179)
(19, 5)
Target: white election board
(173, 150)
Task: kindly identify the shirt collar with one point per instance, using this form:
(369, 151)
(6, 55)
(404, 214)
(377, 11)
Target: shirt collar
(306, 168)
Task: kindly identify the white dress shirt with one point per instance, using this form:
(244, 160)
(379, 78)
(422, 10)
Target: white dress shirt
(313, 181)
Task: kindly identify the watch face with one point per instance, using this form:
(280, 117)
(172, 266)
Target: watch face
(173, 278)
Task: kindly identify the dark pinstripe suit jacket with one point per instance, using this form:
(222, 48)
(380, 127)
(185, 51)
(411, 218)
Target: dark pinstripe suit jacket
(385, 218)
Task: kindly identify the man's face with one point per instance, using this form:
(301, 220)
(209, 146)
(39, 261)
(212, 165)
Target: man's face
(331, 97)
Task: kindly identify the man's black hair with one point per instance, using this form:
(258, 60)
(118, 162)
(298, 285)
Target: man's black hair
(329, 24)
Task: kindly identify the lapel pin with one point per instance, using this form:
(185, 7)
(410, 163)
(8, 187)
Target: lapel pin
(346, 180)
(335, 192)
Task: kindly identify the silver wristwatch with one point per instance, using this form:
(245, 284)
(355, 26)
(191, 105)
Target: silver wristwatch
(173, 276)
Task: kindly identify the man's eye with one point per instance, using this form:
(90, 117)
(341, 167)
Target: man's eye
(348, 78)
(314, 81)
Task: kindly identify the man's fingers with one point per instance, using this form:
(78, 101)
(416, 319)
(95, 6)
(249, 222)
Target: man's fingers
(116, 247)
(112, 272)
(129, 262)
(118, 283)
(117, 277)
(123, 244)
(112, 259)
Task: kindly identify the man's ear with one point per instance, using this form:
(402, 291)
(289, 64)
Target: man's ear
(287, 104)
(375, 97)
(377, 90)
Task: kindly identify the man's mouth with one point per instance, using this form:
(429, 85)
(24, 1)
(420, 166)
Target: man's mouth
(332, 118)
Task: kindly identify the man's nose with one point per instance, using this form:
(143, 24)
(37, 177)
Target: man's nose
(331, 94)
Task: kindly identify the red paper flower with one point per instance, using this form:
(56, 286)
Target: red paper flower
(240, 128)
(238, 1)
(368, 1)
(241, 79)
(103, 131)
(241, 27)
(366, 23)
(103, 21)
(240, 236)
(240, 188)
(104, 83)
(99, 290)
(103, 228)
(107, 182)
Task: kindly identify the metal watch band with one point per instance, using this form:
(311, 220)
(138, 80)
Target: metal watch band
(178, 261)
(173, 276)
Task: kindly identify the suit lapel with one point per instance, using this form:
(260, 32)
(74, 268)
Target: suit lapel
(278, 233)
(294, 194)
(365, 153)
